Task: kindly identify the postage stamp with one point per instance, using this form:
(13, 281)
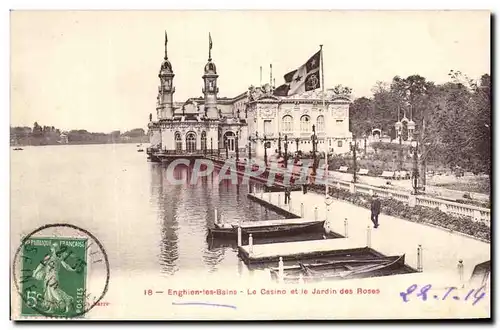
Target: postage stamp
(53, 268)
(59, 267)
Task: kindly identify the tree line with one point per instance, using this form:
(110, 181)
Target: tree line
(453, 120)
(49, 135)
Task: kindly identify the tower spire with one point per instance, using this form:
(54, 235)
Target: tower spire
(271, 74)
(209, 47)
(166, 41)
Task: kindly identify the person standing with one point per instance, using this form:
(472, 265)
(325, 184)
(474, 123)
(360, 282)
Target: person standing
(375, 208)
(287, 195)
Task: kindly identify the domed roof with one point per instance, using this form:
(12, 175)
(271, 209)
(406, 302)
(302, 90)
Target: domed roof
(166, 66)
(210, 67)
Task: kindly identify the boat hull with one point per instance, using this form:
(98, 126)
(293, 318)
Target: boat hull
(268, 231)
(340, 270)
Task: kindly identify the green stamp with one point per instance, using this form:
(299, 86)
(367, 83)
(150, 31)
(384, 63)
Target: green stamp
(53, 276)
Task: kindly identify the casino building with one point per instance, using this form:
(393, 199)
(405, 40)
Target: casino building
(248, 122)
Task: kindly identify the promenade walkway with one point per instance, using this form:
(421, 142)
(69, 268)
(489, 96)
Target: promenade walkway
(442, 249)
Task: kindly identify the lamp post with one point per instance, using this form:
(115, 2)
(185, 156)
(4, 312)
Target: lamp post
(279, 144)
(227, 150)
(314, 140)
(211, 146)
(353, 149)
(364, 138)
(236, 145)
(249, 148)
(265, 150)
(297, 146)
(399, 132)
(415, 174)
(286, 151)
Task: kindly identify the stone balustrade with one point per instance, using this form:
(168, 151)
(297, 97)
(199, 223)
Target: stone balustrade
(476, 213)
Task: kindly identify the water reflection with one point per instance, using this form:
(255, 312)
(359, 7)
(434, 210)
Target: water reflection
(185, 211)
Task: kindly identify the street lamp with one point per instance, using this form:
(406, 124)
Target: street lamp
(237, 152)
(353, 149)
(286, 151)
(211, 146)
(227, 150)
(364, 138)
(314, 140)
(265, 150)
(249, 148)
(279, 144)
(399, 126)
(297, 146)
(415, 174)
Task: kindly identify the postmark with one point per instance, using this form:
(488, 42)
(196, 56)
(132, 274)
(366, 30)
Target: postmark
(60, 271)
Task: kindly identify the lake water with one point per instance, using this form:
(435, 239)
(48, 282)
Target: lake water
(145, 223)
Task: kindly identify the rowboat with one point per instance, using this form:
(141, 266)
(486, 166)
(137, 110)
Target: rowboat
(340, 269)
(275, 230)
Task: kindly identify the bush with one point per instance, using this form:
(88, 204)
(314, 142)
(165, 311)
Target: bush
(417, 214)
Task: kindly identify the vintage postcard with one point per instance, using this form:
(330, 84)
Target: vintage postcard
(250, 165)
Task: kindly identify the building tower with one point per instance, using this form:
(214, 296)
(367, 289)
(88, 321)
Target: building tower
(165, 106)
(210, 88)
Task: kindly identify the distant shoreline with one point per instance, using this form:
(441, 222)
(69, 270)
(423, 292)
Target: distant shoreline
(74, 143)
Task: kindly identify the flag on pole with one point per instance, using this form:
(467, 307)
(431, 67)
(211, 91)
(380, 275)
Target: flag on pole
(209, 41)
(305, 78)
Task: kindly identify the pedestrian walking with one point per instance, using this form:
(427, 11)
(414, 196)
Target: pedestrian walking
(375, 208)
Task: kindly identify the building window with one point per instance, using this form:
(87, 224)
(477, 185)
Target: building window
(287, 124)
(267, 127)
(178, 141)
(229, 141)
(320, 123)
(305, 124)
(190, 142)
(203, 140)
(339, 144)
(339, 120)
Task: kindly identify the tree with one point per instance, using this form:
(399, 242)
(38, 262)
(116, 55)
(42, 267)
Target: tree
(360, 116)
(37, 129)
(477, 143)
(384, 112)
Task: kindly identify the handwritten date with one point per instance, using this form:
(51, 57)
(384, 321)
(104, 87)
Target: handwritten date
(424, 293)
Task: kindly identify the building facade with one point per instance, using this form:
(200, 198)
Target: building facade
(248, 122)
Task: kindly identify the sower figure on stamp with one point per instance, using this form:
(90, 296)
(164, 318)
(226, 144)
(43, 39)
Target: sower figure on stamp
(48, 271)
(375, 208)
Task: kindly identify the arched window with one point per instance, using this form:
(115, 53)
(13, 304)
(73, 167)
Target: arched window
(287, 124)
(229, 141)
(191, 142)
(305, 124)
(203, 140)
(178, 141)
(320, 123)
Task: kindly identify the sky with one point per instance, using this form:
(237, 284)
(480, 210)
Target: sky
(98, 70)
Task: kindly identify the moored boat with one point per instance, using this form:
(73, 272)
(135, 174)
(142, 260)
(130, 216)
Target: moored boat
(340, 269)
(276, 230)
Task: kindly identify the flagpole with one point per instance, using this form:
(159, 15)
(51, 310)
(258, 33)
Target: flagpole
(324, 113)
